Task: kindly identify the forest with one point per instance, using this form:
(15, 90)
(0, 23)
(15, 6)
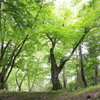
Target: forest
(49, 45)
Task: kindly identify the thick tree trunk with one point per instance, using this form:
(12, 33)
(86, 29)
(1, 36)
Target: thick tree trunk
(54, 71)
(2, 87)
(2, 83)
(19, 88)
(82, 68)
(55, 80)
(2, 79)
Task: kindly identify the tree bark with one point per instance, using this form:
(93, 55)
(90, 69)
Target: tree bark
(78, 82)
(54, 72)
(96, 75)
(96, 63)
(82, 68)
(55, 80)
(2, 82)
(64, 79)
(28, 78)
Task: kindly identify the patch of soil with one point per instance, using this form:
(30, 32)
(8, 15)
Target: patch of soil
(64, 97)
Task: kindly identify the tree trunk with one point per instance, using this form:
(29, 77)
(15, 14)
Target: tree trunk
(19, 88)
(29, 88)
(2, 83)
(19, 83)
(55, 80)
(96, 75)
(54, 71)
(96, 65)
(82, 68)
(78, 82)
(64, 79)
(83, 78)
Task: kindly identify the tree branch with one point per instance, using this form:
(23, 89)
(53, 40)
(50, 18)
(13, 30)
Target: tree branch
(3, 50)
(13, 62)
(49, 38)
(97, 18)
(63, 61)
(38, 12)
(16, 77)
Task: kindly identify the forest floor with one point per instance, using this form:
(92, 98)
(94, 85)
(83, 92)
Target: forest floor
(91, 93)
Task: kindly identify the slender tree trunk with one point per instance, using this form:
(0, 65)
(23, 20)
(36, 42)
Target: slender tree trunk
(83, 78)
(43, 85)
(96, 75)
(19, 83)
(82, 68)
(64, 79)
(77, 70)
(77, 80)
(29, 88)
(96, 65)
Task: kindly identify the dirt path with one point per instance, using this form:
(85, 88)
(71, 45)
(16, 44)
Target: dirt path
(64, 97)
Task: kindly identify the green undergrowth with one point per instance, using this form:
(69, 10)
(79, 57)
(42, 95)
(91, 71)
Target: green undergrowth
(93, 93)
(10, 95)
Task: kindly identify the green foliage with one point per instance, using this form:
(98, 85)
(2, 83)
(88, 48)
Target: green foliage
(37, 19)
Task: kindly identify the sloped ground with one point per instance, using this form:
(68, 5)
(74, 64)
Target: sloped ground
(83, 95)
(92, 93)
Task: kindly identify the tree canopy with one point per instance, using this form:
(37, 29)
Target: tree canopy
(42, 44)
